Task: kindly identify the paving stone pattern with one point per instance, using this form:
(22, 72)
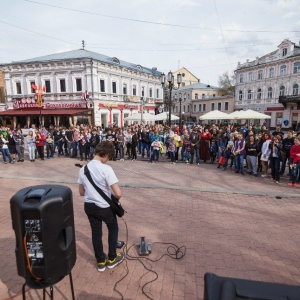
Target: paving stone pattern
(231, 225)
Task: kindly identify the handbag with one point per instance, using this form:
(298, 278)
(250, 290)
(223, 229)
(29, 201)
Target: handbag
(222, 160)
(114, 203)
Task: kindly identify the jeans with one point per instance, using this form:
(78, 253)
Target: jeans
(252, 161)
(20, 151)
(183, 153)
(155, 155)
(91, 154)
(186, 155)
(96, 216)
(50, 150)
(193, 150)
(121, 149)
(69, 147)
(294, 172)
(172, 155)
(6, 153)
(239, 163)
(75, 148)
(275, 166)
(31, 152)
(283, 164)
(147, 147)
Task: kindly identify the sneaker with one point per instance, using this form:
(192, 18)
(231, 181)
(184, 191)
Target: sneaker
(294, 185)
(263, 175)
(198, 164)
(277, 181)
(112, 263)
(290, 184)
(102, 266)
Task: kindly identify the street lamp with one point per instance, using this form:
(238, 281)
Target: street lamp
(180, 100)
(170, 80)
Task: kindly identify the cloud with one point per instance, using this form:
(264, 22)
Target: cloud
(290, 14)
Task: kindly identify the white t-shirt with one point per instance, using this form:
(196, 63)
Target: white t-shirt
(104, 176)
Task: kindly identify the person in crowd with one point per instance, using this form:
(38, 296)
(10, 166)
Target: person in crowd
(295, 161)
(178, 144)
(155, 150)
(4, 149)
(195, 144)
(76, 134)
(134, 144)
(20, 146)
(278, 131)
(213, 149)
(139, 135)
(287, 144)
(265, 153)
(205, 145)
(187, 148)
(82, 140)
(50, 146)
(275, 156)
(172, 149)
(31, 145)
(239, 152)
(97, 209)
(94, 141)
(251, 155)
(39, 139)
(121, 140)
(260, 142)
(69, 141)
(128, 139)
(145, 143)
(11, 145)
(221, 144)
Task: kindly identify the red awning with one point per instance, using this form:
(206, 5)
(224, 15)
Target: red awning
(49, 112)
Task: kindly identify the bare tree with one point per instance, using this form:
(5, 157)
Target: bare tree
(227, 83)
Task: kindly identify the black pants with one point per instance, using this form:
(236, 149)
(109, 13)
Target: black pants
(96, 216)
(40, 150)
(133, 152)
(82, 150)
(275, 168)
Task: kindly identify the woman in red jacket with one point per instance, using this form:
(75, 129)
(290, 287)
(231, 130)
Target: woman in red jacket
(39, 139)
(295, 157)
(205, 145)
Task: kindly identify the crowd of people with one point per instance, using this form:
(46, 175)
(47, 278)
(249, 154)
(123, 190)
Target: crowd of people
(230, 147)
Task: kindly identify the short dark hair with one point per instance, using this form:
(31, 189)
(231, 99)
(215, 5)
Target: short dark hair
(104, 148)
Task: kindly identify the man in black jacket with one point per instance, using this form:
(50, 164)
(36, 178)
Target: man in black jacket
(94, 141)
(287, 143)
(195, 143)
(145, 142)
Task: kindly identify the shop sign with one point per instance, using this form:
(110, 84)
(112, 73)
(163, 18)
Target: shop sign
(110, 105)
(274, 108)
(64, 105)
(24, 103)
(131, 106)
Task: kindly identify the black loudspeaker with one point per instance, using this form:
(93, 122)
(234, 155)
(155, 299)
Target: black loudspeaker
(43, 221)
(223, 288)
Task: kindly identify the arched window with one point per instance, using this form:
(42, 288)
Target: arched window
(249, 95)
(240, 95)
(281, 91)
(259, 94)
(270, 93)
(295, 89)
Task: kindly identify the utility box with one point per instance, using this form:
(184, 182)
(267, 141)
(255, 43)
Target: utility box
(43, 221)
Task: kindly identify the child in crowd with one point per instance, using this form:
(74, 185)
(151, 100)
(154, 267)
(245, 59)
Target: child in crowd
(155, 150)
(171, 149)
(213, 151)
(50, 146)
(187, 149)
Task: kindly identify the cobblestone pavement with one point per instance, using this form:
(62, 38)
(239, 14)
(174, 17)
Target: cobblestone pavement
(231, 225)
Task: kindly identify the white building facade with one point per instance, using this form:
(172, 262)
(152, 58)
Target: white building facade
(270, 84)
(79, 86)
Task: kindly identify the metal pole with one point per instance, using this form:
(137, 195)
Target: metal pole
(179, 113)
(170, 104)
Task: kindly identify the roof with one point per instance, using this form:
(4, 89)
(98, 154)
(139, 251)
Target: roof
(198, 86)
(86, 54)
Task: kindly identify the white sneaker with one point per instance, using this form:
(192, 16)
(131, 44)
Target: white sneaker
(263, 175)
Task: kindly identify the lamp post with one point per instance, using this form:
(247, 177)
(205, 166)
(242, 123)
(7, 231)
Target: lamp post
(170, 81)
(180, 100)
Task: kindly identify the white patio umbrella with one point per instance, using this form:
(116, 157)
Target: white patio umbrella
(248, 115)
(215, 115)
(165, 116)
(138, 117)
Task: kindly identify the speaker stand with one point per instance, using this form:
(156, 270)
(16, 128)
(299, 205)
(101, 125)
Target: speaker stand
(50, 293)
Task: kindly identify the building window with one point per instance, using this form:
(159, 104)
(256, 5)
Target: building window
(48, 86)
(203, 96)
(271, 72)
(195, 107)
(102, 86)
(283, 70)
(219, 106)
(270, 93)
(124, 88)
(250, 76)
(241, 78)
(183, 108)
(200, 107)
(157, 93)
(282, 91)
(297, 67)
(62, 85)
(214, 95)
(188, 108)
(114, 87)
(134, 90)
(295, 89)
(143, 91)
(284, 51)
(18, 88)
(260, 75)
(78, 85)
(279, 119)
(249, 95)
(226, 106)
(212, 106)
(150, 92)
(196, 96)
(32, 90)
(259, 94)
(204, 107)
(240, 95)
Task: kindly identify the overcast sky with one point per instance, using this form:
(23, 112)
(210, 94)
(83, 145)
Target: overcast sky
(208, 37)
